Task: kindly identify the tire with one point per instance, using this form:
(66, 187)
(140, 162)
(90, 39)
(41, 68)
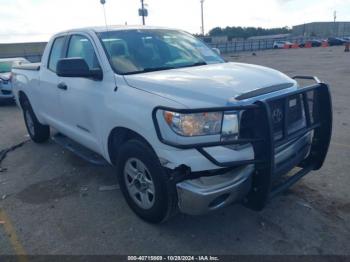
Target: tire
(144, 182)
(275, 47)
(38, 133)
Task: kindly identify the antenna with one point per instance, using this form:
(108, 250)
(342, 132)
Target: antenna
(103, 2)
(202, 16)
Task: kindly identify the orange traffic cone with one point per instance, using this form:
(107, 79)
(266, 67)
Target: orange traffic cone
(347, 47)
(308, 44)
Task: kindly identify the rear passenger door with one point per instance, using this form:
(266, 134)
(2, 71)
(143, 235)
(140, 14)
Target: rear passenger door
(82, 100)
(49, 92)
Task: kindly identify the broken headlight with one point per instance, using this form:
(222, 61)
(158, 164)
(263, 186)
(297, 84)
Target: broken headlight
(195, 124)
(201, 124)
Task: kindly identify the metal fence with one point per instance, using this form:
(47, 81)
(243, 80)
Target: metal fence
(253, 44)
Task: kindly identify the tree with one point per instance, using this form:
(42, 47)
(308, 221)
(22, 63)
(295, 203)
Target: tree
(245, 32)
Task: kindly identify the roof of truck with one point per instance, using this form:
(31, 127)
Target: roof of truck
(116, 28)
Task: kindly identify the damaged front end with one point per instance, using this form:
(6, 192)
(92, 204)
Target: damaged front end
(279, 141)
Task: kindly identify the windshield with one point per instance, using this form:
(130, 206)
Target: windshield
(5, 67)
(139, 51)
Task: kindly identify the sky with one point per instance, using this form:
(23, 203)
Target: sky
(37, 20)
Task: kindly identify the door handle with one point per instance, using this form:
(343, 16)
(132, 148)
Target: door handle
(62, 86)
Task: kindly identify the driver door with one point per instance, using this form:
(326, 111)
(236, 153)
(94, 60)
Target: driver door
(82, 99)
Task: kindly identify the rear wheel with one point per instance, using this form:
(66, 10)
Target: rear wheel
(144, 182)
(38, 133)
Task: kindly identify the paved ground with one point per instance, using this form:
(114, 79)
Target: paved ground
(50, 202)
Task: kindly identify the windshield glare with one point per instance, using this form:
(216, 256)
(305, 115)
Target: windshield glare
(138, 51)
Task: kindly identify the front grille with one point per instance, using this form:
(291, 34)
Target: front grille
(278, 118)
(288, 116)
(289, 112)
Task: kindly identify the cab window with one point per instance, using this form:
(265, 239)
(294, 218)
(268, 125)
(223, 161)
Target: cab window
(56, 53)
(80, 46)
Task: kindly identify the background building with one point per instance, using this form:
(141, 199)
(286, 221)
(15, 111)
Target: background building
(322, 29)
(30, 51)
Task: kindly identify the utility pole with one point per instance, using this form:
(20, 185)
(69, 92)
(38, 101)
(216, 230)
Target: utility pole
(202, 12)
(143, 12)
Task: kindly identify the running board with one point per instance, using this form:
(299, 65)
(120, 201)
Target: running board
(79, 150)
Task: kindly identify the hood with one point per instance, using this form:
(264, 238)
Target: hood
(211, 85)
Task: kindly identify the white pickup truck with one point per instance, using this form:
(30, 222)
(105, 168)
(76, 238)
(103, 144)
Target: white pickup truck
(186, 130)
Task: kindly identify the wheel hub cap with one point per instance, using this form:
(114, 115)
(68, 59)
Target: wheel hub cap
(139, 183)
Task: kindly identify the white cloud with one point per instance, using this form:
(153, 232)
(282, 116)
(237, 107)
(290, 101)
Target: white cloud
(36, 20)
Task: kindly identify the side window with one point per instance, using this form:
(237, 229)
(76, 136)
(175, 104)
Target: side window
(56, 53)
(80, 46)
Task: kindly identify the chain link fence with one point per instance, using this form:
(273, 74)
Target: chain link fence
(253, 44)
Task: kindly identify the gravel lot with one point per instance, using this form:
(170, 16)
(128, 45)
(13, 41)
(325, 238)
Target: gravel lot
(51, 202)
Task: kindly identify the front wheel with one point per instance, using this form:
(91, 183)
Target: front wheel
(38, 133)
(144, 182)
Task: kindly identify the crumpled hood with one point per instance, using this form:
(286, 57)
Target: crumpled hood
(209, 85)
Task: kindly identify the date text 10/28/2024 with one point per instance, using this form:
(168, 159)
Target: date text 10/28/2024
(173, 258)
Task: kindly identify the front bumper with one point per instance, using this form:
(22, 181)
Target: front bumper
(268, 166)
(2, 96)
(6, 91)
(204, 194)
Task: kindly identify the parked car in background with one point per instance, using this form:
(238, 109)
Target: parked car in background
(347, 38)
(281, 44)
(6, 65)
(314, 43)
(333, 41)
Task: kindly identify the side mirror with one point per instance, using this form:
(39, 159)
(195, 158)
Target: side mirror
(77, 67)
(216, 50)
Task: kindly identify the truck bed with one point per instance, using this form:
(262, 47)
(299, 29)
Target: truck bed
(29, 66)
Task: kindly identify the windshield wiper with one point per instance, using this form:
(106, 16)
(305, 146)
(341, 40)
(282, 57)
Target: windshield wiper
(150, 69)
(153, 69)
(200, 63)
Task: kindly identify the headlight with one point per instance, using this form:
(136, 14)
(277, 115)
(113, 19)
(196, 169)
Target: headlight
(230, 127)
(206, 123)
(197, 124)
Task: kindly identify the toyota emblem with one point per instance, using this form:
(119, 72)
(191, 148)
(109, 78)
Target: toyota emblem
(277, 115)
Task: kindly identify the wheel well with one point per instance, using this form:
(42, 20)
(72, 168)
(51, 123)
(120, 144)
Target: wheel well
(22, 97)
(117, 137)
